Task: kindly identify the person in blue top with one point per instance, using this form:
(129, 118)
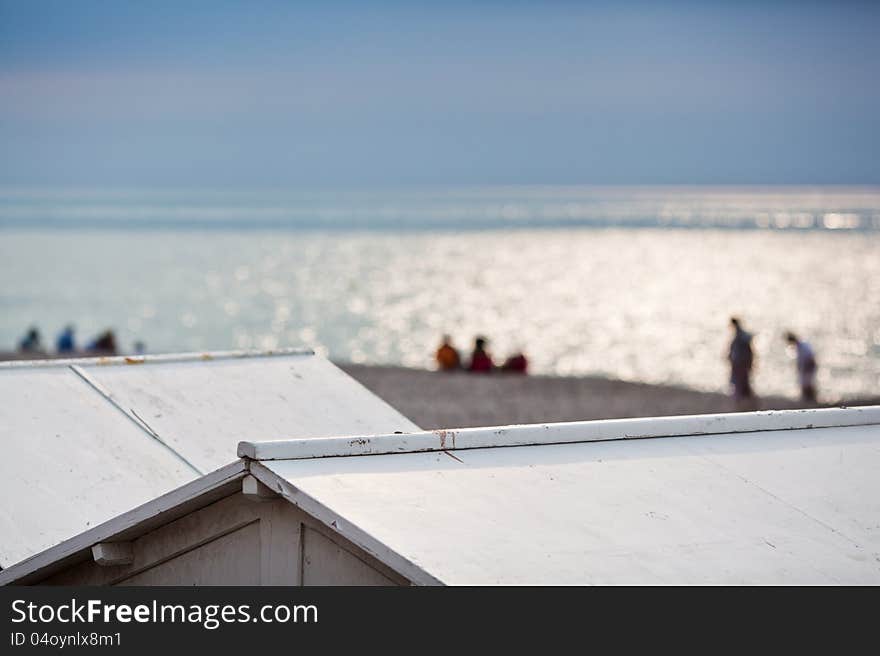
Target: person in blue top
(66, 343)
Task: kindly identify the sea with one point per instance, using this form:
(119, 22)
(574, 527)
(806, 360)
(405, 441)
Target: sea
(635, 283)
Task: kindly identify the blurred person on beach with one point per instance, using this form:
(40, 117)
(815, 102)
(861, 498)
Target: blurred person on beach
(65, 342)
(104, 343)
(140, 348)
(741, 360)
(481, 361)
(806, 366)
(447, 355)
(31, 342)
(516, 363)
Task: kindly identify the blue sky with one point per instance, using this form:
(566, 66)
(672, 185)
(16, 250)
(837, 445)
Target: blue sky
(324, 94)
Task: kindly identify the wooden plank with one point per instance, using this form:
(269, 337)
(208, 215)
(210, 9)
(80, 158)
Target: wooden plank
(346, 530)
(201, 409)
(81, 461)
(775, 507)
(162, 358)
(560, 433)
(327, 563)
(159, 511)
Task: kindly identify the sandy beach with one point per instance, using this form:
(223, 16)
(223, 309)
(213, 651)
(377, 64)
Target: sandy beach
(435, 399)
(457, 400)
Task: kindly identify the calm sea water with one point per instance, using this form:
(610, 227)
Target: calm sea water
(635, 283)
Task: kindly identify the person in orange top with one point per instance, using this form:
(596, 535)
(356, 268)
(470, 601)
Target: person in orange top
(447, 356)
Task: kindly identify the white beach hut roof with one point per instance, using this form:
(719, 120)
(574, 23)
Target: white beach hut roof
(767, 498)
(86, 440)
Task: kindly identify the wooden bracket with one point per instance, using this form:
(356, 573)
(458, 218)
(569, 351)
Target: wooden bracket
(113, 553)
(256, 490)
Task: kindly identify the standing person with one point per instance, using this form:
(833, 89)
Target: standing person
(481, 361)
(806, 366)
(447, 355)
(741, 359)
(65, 343)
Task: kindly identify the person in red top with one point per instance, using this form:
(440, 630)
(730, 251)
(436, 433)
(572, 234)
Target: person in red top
(516, 364)
(481, 361)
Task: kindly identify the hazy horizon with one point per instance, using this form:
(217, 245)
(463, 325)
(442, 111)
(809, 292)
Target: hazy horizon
(289, 95)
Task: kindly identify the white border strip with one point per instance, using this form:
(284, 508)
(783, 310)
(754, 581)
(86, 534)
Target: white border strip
(560, 433)
(150, 359)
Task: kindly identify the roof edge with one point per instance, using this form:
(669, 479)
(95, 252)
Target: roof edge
(560, 433)
(162, 507)
(341, 525)
(152, 359)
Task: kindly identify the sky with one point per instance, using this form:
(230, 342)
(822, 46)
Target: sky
(244, 94)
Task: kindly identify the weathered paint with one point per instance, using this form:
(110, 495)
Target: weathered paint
(85, 440)
(158, 358)
(560, 433)
(230, 541)
(776, 507)
(112, 554)
(202, 408)
(768, 506)
(70, 461)
(341, 526)
(137, 521)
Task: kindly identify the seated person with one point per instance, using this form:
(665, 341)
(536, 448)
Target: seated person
(65, 343)
(31, 343)
(481, 361)
(516, 364)
(104, 343)
(447, 356)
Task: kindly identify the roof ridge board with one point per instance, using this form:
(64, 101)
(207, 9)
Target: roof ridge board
(559, 433)
(194, 356)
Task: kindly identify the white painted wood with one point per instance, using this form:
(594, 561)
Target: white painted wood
(343, 528)
(327, 563)
(229, 542)
(768, 505)
(203, 408)
(560, 433)
(774, 507)
(160, 358)
(281, 550)
(113, 553)
(254, 490)
(230, 559)
(80, 461)
(146, 517)
(181, 536)
(92, 438)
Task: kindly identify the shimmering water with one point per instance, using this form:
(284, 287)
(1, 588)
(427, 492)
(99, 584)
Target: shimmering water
(185, 271)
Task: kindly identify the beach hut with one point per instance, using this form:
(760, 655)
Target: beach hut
(774, 497)
(86, 440)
